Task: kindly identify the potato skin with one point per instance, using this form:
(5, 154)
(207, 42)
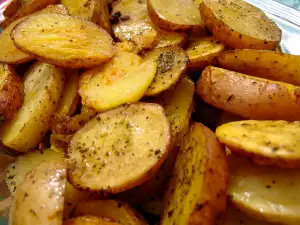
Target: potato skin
(11, 92)
(249, 97)
(12, 8)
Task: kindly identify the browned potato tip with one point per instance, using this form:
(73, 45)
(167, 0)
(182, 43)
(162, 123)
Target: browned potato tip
(11, 8)
(249, 97)
(239, 24)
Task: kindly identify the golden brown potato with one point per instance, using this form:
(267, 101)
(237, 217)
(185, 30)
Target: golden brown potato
(92, 10)
(11, 92)
(118, 211)
(132, 23)
(168, 38)
(119, 149)
(239, 24)
(177, 15)
(11, 8)
(43, 85)
(197, 191)
(89, 220)
(249, 97)
(266, 64)
(202, 51)
(64, 40)
(272, 143)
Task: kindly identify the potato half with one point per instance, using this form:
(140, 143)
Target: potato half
(239, 24)
(249, 97)
(43, 85)
(124, 79)
(40, 197)
(265, 193)
(266, 64)
(89, 220)
(119, 149)
(64, 40)
(177, 15)
(197, 189)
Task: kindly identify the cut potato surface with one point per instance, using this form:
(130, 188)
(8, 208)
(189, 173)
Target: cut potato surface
(266, 64)
(203, 51)
(119, 149)
(64, 40)
(265, 193)
(197, 189)
(124, 79)
(177, 15)
(239, 24)
(167, 38)
(118, 211)
(249, 97)
(266, 142)
(40, 197)
(171, 64)
(11, 92)
(43, 85)
(89, 220)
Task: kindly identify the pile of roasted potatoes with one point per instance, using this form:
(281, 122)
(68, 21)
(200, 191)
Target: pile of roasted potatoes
(136, 112)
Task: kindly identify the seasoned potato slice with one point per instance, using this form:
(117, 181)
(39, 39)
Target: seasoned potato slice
(167, 38)
(265, 193)
(165, 14)
(203, 51)
(197, 189)
(249, 97)
(266, 64)
(118, 211)
(124, 79)
(89, 220)
(11, 8)
(11, 92)
(267, 142)
(40, 197)
(28, 7)
(92, 10)
(133, 23)
(171, 64)
(130, 142)
(43, 85)
(239, 24)
(64, 40)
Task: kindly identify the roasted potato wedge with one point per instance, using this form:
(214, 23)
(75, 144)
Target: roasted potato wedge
(28, 7)
(267, 142)
(63, 40)
(132, 23)
(239, 24)
(265, 193)
(11, 8)
(43, 85)
(124, 79)
(171, 64)
(92, 10)
(266, 64)
(11, 92)
(89, 220)
(165, 14)
(168, 38)
(131, 142)
(40, 197)
(10, 53)
(249, 97)
(203, 51)
(197, 189)
(118, 211)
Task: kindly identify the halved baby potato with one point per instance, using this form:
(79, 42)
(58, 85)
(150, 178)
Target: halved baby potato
(239, 24)
(89, 220)
(197, 191)
(273, 143)
(63, 40)
(124, 79)
(177, 15)
(119, 149)
(40, 197)
(43, 86)
(171, 64)
(265, 193)
(203, 51)
(248, 96)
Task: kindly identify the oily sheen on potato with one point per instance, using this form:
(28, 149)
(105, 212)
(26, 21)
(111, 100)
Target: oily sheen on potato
(119, 149)
(64, 40)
